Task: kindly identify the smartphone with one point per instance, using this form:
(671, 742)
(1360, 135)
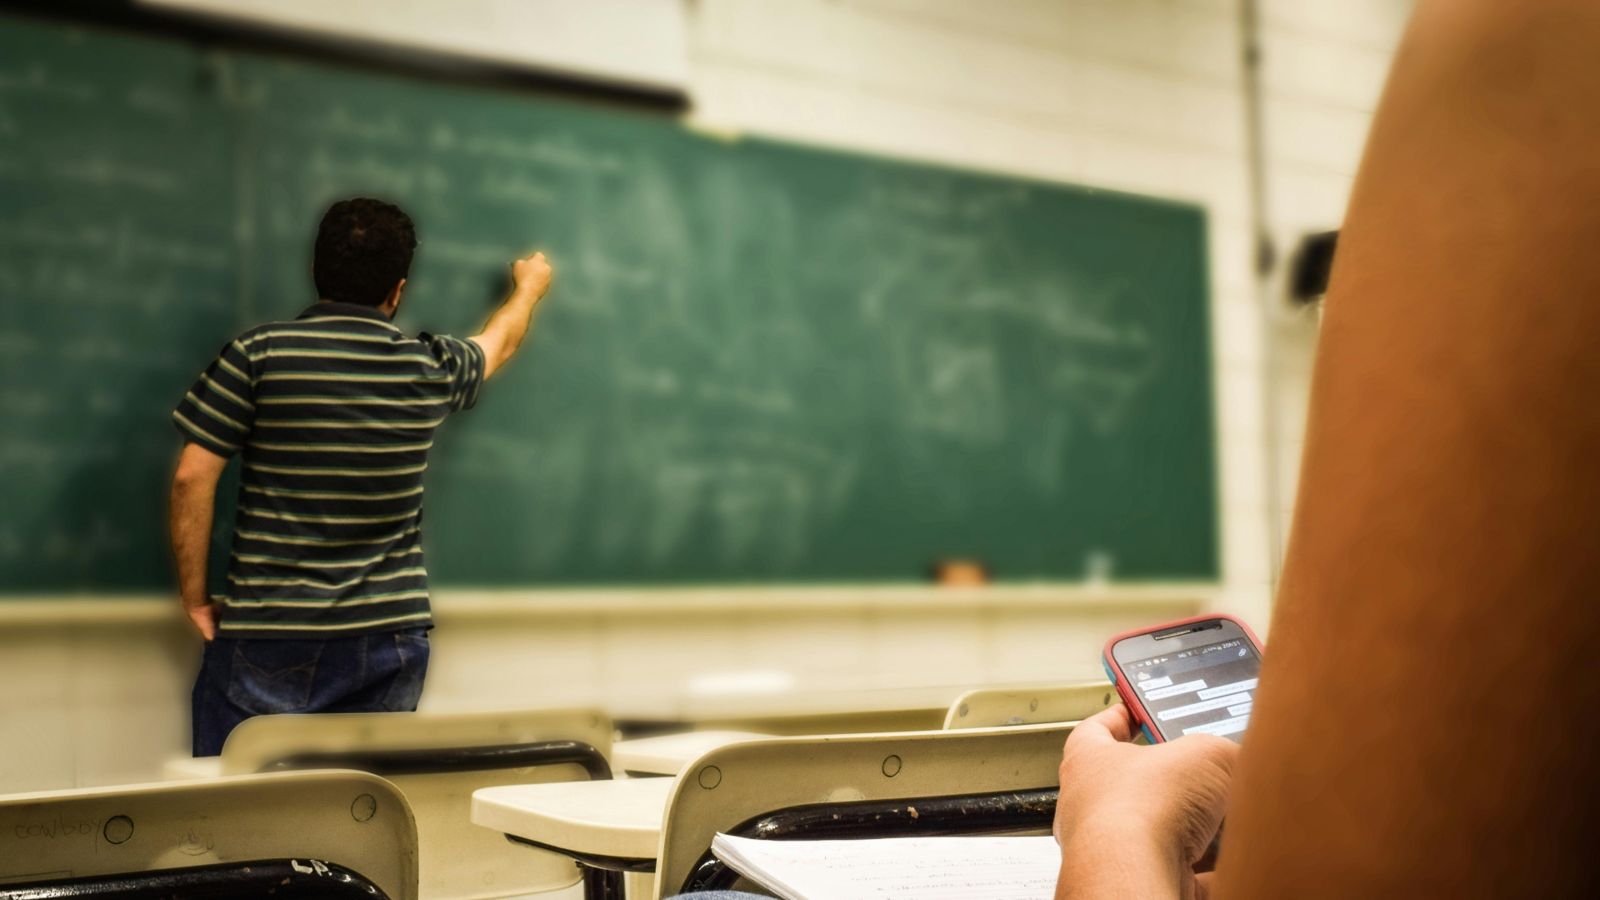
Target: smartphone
(1195, 676)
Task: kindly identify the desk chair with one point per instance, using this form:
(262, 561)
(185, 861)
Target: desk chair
(970, 781)
(327, 834)
(437, 760)
(993, 707)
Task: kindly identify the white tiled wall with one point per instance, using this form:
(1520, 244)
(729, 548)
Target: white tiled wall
(1137, 95)
(100, 695)
(1323, 68)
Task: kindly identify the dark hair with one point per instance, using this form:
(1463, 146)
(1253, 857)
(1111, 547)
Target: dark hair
(364, 248)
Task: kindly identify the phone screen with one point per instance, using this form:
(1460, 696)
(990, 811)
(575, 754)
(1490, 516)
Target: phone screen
(1206, 689)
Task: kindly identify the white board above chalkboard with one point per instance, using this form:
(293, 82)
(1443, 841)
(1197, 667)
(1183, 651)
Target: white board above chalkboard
(629, 43)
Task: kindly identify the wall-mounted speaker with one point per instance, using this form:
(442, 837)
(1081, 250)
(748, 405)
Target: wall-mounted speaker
(1309, 267)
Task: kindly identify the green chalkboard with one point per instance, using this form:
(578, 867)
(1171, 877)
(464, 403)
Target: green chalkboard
(117, 274)
(761, 361)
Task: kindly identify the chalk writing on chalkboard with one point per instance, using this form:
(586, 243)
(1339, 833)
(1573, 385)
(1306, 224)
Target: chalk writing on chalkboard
(760, 361)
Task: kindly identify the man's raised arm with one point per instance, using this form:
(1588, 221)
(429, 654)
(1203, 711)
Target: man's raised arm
(509, 324)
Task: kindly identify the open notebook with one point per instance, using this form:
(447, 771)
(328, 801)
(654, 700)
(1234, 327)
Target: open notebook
(935, 868)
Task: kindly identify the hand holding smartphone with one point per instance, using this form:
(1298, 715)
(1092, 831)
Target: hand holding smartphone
(1194, 676)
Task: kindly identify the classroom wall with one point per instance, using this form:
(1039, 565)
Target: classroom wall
(97, 692)
(1324, 64)
(1138, 95)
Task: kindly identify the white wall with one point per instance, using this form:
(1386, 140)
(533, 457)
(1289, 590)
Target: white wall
(97, 691)
(1324, 64)
(630, 42)
(1137, 95)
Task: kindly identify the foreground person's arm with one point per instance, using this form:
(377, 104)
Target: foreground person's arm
(1427, 719)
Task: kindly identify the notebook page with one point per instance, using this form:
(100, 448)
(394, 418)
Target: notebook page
(935, 868)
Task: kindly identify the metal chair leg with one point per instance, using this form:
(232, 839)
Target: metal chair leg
(601, 884)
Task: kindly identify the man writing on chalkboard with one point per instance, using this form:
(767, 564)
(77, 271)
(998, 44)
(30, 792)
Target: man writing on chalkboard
(326, 607)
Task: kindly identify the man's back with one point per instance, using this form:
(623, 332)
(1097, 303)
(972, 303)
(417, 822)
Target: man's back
(326, 607)
(334, 413)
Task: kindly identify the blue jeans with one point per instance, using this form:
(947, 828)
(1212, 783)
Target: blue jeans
(243, 677)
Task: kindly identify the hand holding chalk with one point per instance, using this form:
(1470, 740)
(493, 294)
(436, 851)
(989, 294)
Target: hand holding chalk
(532, 275)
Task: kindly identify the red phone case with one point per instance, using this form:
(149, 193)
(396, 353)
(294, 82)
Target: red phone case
(1129, 699)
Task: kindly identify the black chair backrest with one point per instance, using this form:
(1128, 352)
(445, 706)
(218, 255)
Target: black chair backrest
(262, 879)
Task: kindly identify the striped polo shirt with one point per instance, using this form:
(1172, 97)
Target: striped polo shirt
(334, 413)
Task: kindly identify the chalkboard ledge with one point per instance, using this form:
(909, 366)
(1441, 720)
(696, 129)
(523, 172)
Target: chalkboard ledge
(467, 604)
(490, 602)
